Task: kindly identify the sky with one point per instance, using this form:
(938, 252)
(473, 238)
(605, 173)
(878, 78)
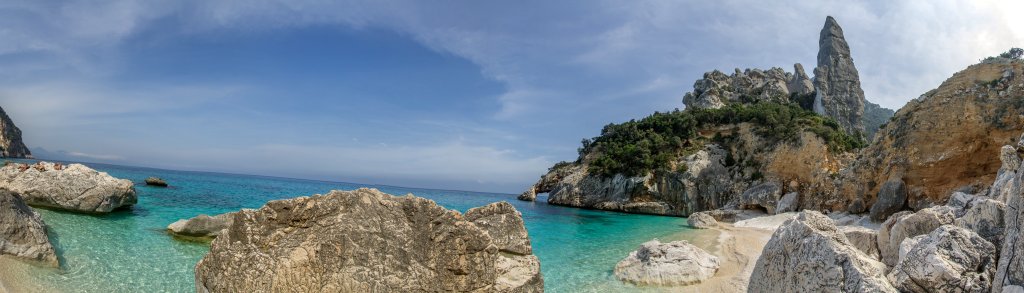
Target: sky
(467, 95)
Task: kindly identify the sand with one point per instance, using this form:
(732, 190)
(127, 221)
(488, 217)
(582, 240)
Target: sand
(15, 277)
(738, 246)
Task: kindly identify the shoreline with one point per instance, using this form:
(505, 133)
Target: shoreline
(17, 277)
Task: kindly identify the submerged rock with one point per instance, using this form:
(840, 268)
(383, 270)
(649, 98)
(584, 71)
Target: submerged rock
(809, 254)
(949, 259)
(153, 181)
(702, 220)
(73, 187)
(667, 264)
(22, 231)
(369, 241)
(201, 225)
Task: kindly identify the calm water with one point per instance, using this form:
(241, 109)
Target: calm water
(128, 251)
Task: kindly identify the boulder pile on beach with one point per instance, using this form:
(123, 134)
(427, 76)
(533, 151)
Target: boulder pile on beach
(73, 187)
(369, 241)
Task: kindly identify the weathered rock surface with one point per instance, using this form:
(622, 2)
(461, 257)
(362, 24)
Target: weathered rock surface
(800, 84)
(809, 253)
(1010, 275)
(73, 187)
(1003, 185)
(837, 81)
(528, 195)
(22, 231)
(874, 117)
(891, 199)
(789, 202)
(201, 225)
(702, 220)
(949, 259)
(762, 196)
(864, 239)
(904, 225)
(716, 89)
(153, 181)
(11, 145)
(369, 241)
(985, 217)
(667, 264)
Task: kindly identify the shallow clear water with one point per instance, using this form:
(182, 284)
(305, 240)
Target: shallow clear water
(128, 251)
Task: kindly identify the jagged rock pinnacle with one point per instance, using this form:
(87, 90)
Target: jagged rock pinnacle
(837, 81)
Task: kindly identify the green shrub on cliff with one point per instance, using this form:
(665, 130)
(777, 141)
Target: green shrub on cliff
(637, 147)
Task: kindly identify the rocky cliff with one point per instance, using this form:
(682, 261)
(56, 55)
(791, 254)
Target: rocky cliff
(837, 81)
(946, 140)
(874, 117)
(11, 145)
(369, 241)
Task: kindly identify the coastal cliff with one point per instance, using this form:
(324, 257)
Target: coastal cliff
(751, 128)
(11, 145)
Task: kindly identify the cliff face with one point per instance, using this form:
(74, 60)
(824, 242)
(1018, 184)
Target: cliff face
(837, 81)
(874, 117)
(11, 145)
(945, 140)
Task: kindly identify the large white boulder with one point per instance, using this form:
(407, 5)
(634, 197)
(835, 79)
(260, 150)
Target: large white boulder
(949, 259)
(73, 187)
(667, 264)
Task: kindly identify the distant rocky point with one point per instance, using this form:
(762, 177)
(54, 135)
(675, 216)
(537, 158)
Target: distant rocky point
(73, 187)
(153, 181)
(11, 145)
(369, 241)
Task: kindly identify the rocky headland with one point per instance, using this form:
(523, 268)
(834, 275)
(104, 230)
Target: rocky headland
(73, 187)
(369, 241)
(11, 145)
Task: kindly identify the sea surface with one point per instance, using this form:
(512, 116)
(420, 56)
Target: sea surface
(129, 251)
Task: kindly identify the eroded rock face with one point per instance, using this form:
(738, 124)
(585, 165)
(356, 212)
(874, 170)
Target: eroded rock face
(716, 89)
(808, 253)
(1010, 275)
(765, 196)
(904, 225)
(837, 81)
(201, 225)
(667, 264)
(985, 217)
(369, 241)
(22, 231)
(864, 239)
(949, 259)
(702, 220)
(73, 187)
(11, 145)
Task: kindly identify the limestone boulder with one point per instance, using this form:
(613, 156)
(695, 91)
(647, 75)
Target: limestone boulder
(904, 225)
(702, 220)
(22, 231)
(891, 199)
(864, 239)
(810, 254)
(73, 187)
(949, 259)
(201, 225)
(369, 241)
(762, 196)
(789, 202)
(985, 217)
(667, 264)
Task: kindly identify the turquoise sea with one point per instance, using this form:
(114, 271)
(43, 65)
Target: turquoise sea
(128, 251)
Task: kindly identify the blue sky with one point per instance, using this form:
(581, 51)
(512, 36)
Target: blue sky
(443, 94)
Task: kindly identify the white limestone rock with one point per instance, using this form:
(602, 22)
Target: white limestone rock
(667, 264)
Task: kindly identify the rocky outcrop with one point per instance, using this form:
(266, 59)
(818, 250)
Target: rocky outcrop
(905, 225)
(702, 220)
(369, 241)
(1003, 185)
(949, 259)
(11, 145)
(717, 89)
(891, 199)
(809, 253)
(800, 84)
(73, 187)
(1010, 274)
(22, 231)
(762, 196)
(985, 217)
(836, 80)
(947, 139)
(864, 239)
(202, 226)
(153, 181)
(789, 202)
(667, 264)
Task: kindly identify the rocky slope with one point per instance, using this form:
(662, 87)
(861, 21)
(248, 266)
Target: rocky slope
(22, 231)
(73, 187)
(874, 117)
(11, 145)
(369, 241)
(946, 140)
